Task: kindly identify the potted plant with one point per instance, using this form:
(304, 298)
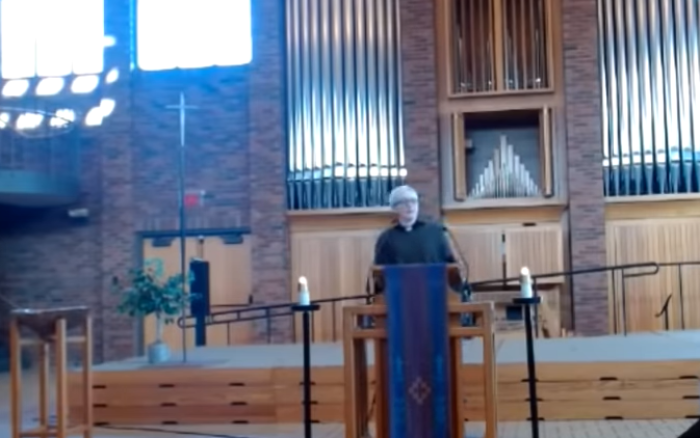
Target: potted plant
(147, 291)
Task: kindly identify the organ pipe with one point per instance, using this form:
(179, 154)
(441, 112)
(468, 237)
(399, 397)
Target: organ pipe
(648, 50)
(499, 46)
(505, 176)
(345, 141)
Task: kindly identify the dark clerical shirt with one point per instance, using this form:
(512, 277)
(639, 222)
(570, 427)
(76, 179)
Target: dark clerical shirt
(424, 243)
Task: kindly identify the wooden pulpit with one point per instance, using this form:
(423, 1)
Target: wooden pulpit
(416, 338)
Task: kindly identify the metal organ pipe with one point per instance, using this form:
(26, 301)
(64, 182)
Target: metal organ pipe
(649, 78)
(345, 142)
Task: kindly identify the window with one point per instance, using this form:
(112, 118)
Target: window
(189, 34)
(49, 38)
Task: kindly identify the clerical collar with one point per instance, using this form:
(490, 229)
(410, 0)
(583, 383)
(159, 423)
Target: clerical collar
(416, 224)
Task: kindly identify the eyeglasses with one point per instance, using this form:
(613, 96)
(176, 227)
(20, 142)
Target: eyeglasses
(406, 202)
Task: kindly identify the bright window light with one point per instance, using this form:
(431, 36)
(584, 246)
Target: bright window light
(51, 37)
(193, 33)
(29, 121)
(49, 86)
(15, 88)
(62, 118)
(107, 107)
(94, 117)
(85, 84)
(112, 76)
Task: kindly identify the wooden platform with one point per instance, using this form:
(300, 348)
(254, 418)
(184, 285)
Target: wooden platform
(642, 376)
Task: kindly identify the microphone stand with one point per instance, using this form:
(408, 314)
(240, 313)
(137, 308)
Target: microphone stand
(462, 261)
(466, 290)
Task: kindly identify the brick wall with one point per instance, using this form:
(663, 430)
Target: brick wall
(216, 146)
(584, 158)
(47, 259)
(117, 213)
(236, 151)
(267, 152)
(420, 110)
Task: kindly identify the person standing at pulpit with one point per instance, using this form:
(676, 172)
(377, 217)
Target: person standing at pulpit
(411, 240)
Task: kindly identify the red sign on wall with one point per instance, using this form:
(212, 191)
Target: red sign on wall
(194, 198)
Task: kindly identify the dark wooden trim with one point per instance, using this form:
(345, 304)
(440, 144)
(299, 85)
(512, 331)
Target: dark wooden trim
(213, 232)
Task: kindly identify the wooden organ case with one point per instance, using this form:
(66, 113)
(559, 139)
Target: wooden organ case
(502, 139)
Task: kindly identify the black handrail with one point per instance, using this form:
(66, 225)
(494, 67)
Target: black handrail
(664, 311)
(251, 313)
(267, 315)
(623, 298)
(505, 281)
(666, 305)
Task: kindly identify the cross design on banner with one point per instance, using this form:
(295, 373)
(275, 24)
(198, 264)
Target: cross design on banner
(419, 390)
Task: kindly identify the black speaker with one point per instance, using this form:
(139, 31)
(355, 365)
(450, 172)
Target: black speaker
(200, 306)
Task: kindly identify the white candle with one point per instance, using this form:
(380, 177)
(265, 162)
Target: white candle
(304, 297)
(525, 283)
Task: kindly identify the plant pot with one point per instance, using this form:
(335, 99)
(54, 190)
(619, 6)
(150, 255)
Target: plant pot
(158, 352)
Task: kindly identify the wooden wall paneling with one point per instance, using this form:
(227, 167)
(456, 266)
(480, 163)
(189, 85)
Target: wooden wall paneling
(356, 256)
(691, 299)
(689, 237)
(307, 260)
(335, 264)
(539, 247)
(327, 282)
(487, 247)
(612, 237)
(662, 241)
(511, 216)
(682, 238)
(640, 243)
(230, 287)
(482, 246)
(629, 208)
(169, 256)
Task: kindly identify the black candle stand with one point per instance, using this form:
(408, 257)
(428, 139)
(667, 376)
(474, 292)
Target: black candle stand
(528, 304)
(306, 311)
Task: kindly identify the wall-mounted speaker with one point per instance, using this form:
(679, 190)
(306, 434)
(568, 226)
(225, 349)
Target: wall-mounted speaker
(201, 305)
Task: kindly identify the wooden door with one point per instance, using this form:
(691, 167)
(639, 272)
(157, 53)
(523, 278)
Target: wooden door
(229, 283)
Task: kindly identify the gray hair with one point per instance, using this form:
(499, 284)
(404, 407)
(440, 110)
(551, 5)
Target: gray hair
(400, 194)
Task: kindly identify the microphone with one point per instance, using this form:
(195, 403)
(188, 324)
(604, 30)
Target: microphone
(462, 261)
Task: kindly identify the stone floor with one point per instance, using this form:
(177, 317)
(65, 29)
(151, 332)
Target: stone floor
(569, 429)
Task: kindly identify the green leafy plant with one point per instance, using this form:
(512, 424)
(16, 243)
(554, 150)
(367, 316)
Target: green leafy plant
(147, 291)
